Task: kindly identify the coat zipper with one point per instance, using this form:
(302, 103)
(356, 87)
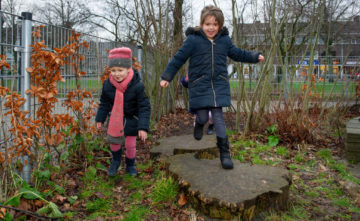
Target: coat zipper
(212, 70)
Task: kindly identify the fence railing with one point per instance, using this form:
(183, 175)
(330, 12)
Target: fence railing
(15, 42)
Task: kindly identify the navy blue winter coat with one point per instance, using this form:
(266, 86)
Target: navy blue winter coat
(208, 81)
(136, 105)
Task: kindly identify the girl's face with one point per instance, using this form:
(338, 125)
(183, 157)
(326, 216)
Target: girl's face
(119, 73)
(210, 27)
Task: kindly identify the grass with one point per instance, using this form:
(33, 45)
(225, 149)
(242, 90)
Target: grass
(165, 190)
(282, 151)
(316, 191)
(137, 213)
(296, 87)
(135, 183)
(90, 83)
(97, 193)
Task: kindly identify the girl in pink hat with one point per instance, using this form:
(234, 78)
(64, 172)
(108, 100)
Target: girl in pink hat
(123, 97)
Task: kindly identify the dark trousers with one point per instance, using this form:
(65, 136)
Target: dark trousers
(202, 117)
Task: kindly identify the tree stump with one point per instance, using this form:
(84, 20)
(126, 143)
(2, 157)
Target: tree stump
(352, 144)
(243, 192)
(174, 145)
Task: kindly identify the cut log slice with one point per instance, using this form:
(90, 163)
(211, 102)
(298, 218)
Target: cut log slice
(169, 146)
(243, 192)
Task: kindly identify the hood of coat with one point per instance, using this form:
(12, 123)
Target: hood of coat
(198, 31)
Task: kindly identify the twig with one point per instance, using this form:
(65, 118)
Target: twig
(29, 213)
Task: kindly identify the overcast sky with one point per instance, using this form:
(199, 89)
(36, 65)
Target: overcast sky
(197, 6)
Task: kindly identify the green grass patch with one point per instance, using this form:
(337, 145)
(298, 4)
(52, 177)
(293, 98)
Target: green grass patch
(343, 202)
(98, 205)
(299, 158)
(243, 143)
(296, 167)
(255, 159)
(312, 194)
(165, 190)
(144, 166)
(136, 197)
(273, 162)
(282, 151)
(92, 83)
(137, 213)
(337, 88)
(70, 215)
(311, 163)
(240, 155)
(296, 212)
(354, 209)
(325, 154)
(135, 182)
(97, 185)
(262, 148)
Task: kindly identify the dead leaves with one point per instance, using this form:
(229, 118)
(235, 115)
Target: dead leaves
(182, 199)
(2, 213)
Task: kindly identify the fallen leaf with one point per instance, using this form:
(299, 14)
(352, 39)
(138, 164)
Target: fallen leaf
(60, 198)
(322, 167)
(295, 177)
(71, 183)
(182, 199)
(39, 203)
(24, 205)
(2, 212)
(99, 195)
(67, 206)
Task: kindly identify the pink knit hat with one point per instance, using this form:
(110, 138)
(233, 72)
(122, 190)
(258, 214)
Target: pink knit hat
(120, 57)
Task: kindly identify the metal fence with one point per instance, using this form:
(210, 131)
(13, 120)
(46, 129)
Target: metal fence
(337, 80)
(15, 42)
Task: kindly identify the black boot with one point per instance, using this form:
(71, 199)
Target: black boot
(225, 156)
(130, 166)
(198, 131)
(210, 129)
(115, 162)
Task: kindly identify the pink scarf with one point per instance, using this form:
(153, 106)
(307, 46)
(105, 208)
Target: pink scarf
(116, 127)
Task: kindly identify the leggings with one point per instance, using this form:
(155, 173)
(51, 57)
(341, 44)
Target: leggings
(202, 116)
(130, 145)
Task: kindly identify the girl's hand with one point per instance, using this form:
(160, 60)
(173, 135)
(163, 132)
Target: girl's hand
(98, 125)
(142, 135)
(164, 83)
(261, 58)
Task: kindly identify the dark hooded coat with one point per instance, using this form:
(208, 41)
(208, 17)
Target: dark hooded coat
(208, 82)
(136, 105)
